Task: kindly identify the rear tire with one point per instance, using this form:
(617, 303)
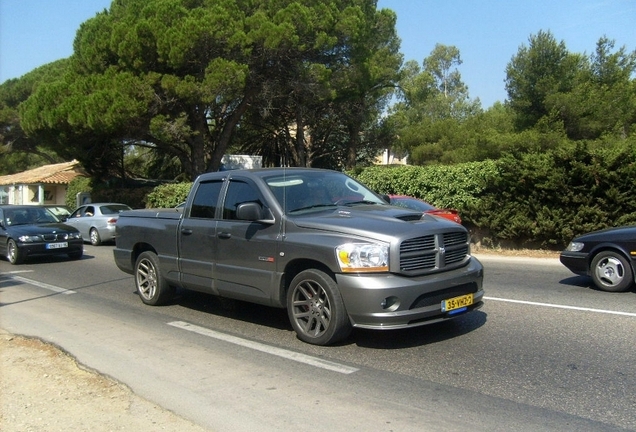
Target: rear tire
(151, 286)
(94, 237)
(316, 310)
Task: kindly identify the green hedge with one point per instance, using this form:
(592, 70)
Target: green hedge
(168, 195)
(530, 199)
(454, 186)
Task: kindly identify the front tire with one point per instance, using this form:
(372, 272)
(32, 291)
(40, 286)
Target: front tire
(611, 271)
(13, 253)
(94, 237)
(151, 286)
(316, 310)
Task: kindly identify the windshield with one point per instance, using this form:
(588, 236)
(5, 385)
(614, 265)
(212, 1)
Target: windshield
(28, 216)
(300, 191)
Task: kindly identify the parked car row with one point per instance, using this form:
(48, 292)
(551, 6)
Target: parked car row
(35, 230)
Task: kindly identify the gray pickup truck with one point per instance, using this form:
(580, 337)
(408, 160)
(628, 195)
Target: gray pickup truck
(316, 242)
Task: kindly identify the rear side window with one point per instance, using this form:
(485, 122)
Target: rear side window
(206, 199)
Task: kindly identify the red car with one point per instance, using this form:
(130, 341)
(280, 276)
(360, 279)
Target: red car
(424, 207)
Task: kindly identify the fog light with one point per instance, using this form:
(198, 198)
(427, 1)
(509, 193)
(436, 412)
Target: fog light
(390, 303)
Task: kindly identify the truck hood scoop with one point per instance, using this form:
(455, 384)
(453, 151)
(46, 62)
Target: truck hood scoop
(369, 219)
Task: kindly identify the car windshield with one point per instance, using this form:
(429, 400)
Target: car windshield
(60, 212)
(29, 216)
(300, 191)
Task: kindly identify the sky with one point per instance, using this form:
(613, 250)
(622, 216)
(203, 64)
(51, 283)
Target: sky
(488, 33)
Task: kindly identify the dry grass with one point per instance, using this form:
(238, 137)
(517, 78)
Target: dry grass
(533, 253)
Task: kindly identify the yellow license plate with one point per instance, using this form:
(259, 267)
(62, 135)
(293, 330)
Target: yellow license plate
(457, 302)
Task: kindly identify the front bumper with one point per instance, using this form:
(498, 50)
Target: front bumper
(576, 262)
(416, 300)
(40, 249)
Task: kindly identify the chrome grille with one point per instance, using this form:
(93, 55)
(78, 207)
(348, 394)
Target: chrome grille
(55, 237)
(433, 252)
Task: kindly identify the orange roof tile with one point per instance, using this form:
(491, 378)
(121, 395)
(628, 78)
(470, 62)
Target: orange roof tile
(61, 173)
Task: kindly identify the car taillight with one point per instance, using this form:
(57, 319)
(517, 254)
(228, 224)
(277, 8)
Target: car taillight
(111, 221)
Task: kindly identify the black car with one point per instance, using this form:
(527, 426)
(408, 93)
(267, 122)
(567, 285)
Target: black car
(27, 230)
(608, 256)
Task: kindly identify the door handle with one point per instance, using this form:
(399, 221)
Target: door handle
(224, 235)
(186, 231)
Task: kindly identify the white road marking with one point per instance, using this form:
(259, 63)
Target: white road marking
(584, 309)
(43, 285)
(290, 355)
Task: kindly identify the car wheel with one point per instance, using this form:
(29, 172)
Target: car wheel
(611, 271)
(13, 253)
(151, 286)
(96, 240)
(316, 310)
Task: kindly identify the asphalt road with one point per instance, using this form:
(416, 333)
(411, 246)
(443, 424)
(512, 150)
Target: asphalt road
(547, 352)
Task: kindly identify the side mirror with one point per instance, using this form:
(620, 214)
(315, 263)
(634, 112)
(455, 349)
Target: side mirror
(251, 211)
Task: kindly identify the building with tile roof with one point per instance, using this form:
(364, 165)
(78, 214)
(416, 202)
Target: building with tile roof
(44, 185)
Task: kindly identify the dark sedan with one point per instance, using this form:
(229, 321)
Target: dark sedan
(33, 230)
(608, 256)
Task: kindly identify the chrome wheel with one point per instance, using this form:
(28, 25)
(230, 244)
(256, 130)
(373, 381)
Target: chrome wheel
(315, 308)
(146, 279)
(611, 271)
(311, 308)
(13, 253)
(94, 237)
(151, 286)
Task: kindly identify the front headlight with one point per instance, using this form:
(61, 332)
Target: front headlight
(363, 257)
(75, 235)
(575, 246)
(29, 238)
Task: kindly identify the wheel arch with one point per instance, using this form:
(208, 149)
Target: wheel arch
(608, 247)
(138, 249)
(296, 266)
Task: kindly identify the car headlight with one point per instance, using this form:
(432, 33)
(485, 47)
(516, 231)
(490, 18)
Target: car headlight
(363, 257)
(75, 235)
(29, 238)
(575, 246)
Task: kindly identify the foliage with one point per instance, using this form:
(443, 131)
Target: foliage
(585, 96)
(527, 199)
(134, 197)
(18, 151)
(454, 186)
(77, 185)
(182, 77)
(168, 195)
(547, 198)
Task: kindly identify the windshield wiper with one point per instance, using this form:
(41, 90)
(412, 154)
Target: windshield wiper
(312, 207)
(361, 202)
